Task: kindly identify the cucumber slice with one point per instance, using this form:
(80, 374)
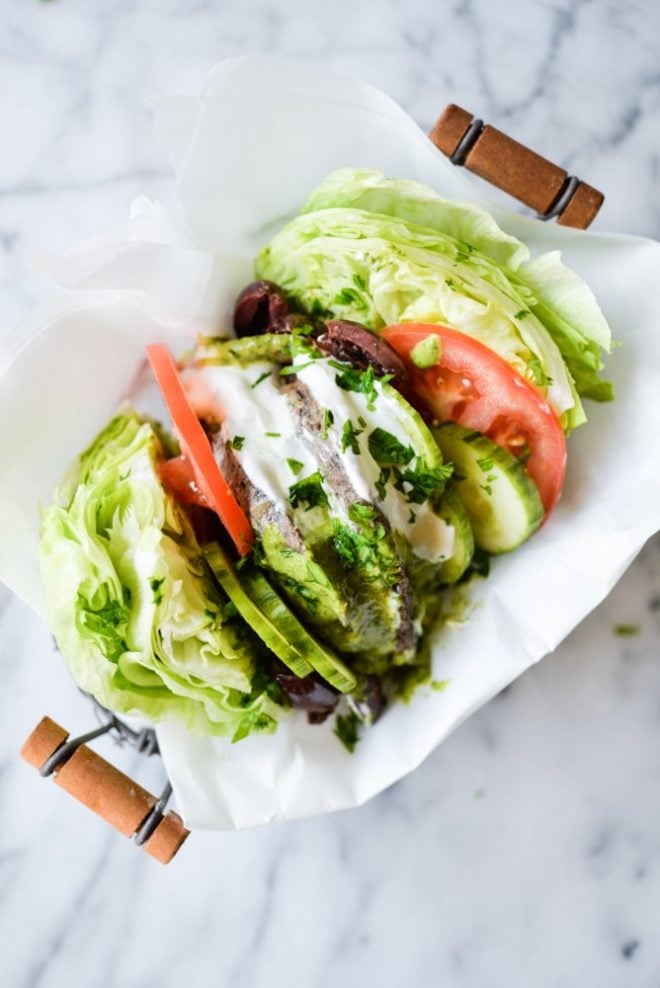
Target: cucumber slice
(420, 436)
(325, 662)
(261, 606)
(452, 510)
(501, 500)
(276, 641)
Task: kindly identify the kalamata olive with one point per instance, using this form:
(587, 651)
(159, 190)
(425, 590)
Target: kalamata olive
(354, 343)
(369, 702)
(309, 693)
(258, 308)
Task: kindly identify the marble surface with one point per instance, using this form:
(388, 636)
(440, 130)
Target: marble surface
(526, 850)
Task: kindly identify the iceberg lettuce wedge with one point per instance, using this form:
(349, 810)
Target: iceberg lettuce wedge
(133, 606)
(381, 251)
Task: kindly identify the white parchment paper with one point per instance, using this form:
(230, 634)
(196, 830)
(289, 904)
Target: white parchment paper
(246, 154)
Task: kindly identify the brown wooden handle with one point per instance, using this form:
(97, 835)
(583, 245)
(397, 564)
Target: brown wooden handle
(104, 789)
(514, 168)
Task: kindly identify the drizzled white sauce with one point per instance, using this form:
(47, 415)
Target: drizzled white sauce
(252, 411)
(429, 536)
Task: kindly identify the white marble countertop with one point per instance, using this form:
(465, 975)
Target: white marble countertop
(526, 851)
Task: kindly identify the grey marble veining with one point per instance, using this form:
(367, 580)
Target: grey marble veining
(526, 850)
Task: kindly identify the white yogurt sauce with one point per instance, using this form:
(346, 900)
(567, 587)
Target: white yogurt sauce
(254, 410)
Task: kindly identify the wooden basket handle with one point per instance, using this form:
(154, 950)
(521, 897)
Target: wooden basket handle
(101, 787)
(514, 168)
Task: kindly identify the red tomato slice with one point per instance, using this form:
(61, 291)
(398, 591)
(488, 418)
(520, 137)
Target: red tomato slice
(475, 387)
(179, 477)
(197, 449)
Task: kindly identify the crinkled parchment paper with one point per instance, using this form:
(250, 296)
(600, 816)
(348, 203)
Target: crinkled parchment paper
(246, 154)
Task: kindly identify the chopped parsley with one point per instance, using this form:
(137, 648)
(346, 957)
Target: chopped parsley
(295, 466)
(328, 419)
(236, 442)
(361, 381)
(522, 313)
(541, 379)
(349, 437)
(346, 729)
(155, 583)
(383, 477)
(308, 492)
(262, 377)
(351, 297)
(440, 685)
(359, 282)
(486, 463)
(420, 482)
(626, 630)
(361, 512)
(252, 721)
(229, 610)
(386, 448)
(274, 435)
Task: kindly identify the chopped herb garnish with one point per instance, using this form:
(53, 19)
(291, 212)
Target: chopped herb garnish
(420, 482)
(328, 419)
(155, 583)
(522, 313)
(236, 442)
(383, 477)
(541, 379)
(349, 296)
(349, 438)
(386, 448)
(626, 630)
(346, 729)
(295, 466)
(262, 377)
(274, 435)
(361, 381)
(308, 493)
(361, 422)
(229, 610)
(359, 282)
(440, 685)
(486, 463)
(361, 513)
(251, 721)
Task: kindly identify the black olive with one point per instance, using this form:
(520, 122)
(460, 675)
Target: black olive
(360, 347)
(259, 306)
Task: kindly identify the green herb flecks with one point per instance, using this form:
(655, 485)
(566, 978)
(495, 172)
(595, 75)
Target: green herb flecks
(349, 438)
(383, 477)
(351, 297)
(308, 492)
(386, 449)
(346, 729)
(328, 420)
(156, 588)
(262, 377)
(360, 381)
(421, 482)
(626, 630)
(295, 466)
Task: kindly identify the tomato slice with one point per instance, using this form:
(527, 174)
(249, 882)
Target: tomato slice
(197, 449)
(475, 387)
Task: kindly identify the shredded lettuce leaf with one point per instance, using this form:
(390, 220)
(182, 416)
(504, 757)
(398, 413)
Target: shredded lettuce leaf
(134, 609)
